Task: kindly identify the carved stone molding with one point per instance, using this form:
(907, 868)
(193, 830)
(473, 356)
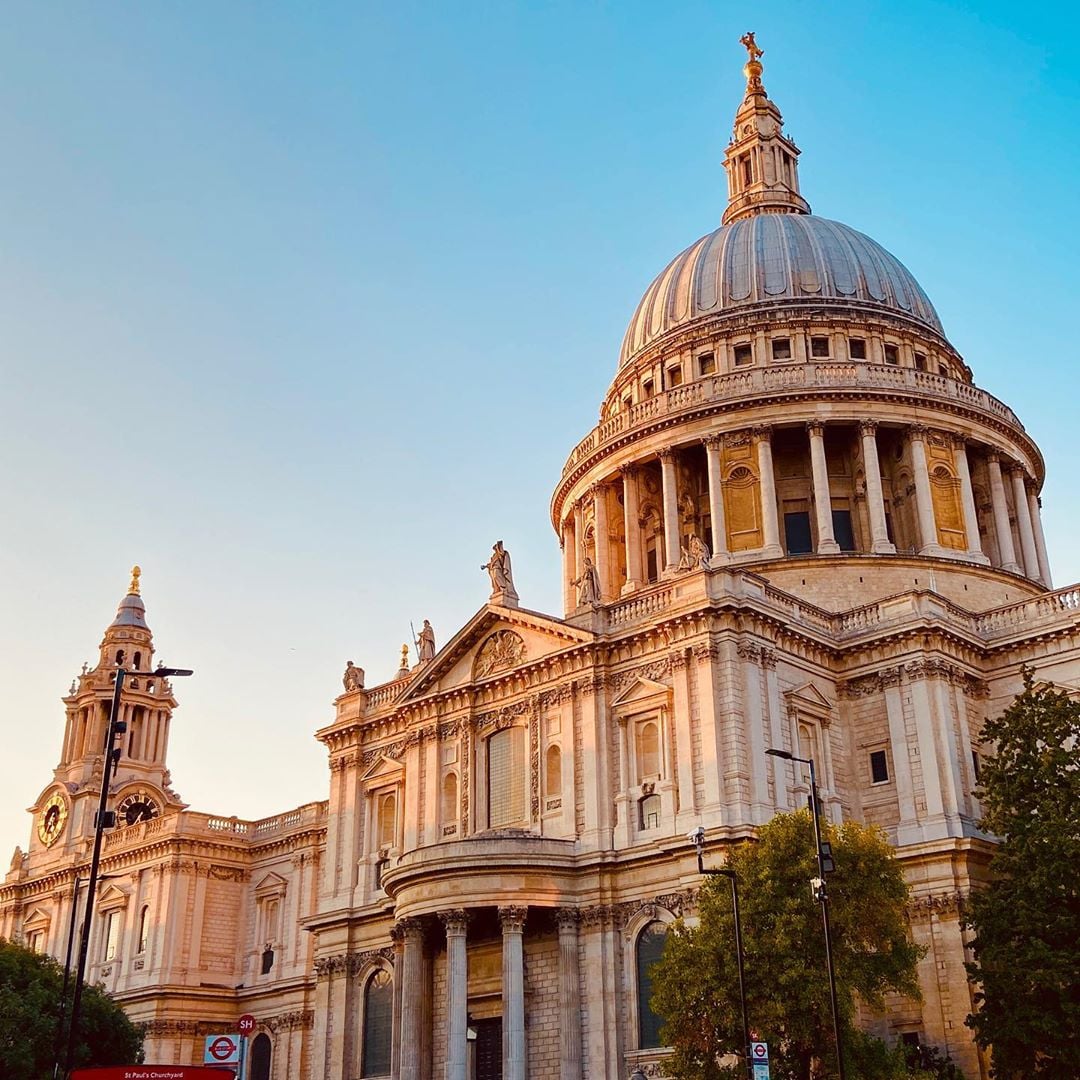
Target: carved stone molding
(704, 651)
(502, 718)
(868, 427)
(512, 919)
(734, 439)
(925, 907)
(668, 455)
(157, 1029)
(567, 918)
(748, 651)
(502, 650)
(815, 428)
(558, 695)
(714, 442)
(918, 431)
(299, 1019)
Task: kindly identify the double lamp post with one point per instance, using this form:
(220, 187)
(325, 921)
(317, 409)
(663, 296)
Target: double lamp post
(825, 865)
(104, 819)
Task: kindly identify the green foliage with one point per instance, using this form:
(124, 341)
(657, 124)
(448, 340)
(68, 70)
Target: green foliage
(30, 987)
(696, 982)
(1027, 921)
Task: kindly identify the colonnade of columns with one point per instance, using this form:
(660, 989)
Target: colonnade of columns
(514, 1050)
(1031, 560)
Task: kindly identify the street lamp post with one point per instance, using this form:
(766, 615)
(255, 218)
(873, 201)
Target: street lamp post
(112, 756)
(67, 968)
(824, 866)
(697, 838)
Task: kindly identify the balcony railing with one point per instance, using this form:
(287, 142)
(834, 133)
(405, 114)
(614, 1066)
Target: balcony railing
(789, 378)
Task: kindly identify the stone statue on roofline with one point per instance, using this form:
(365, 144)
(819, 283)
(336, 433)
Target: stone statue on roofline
(353, 678)
(588, 585)
(503, 592)
(425, 643)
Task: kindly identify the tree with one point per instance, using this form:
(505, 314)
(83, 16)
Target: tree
(696, 981)
(1027, 920)
(30, 987)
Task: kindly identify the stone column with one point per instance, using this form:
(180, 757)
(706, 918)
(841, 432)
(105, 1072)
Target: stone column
(1006, 551)
(769, 523)
(579, 541)
(600, 529)
(826, 544)
(569, 996)
(1035, 509)
(924, 499)
(672, 547)
(412, 999)
(568, 558)
(716, 498)
(397, 936)
(632, 528)
(880, 544)
(457, 994)
(513, 973)
(967, 500)
(1023, 521)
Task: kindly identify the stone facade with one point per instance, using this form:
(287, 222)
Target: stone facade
(798, 524)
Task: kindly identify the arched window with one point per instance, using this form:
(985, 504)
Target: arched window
(553, 772)
(137, 661)
(378, 1016)
(144, 927)
(119, 657)
(506, 777)
(260, 1057)
(648, 750)
(449, 798)
(387, 832)
(650, 947)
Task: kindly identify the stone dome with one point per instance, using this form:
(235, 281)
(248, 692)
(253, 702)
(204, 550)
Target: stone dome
(771, 259)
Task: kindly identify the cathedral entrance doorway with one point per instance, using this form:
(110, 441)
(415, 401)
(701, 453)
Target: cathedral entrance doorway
(489, 1050)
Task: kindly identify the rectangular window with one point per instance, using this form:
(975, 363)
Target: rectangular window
(976, 764)
(781, 348)
(627, 402)
(842, 531)
(647, 388)
(706, 363)
(819, 347)
(744, 354)
(892, 354)
(674, 376)
(797, 537)
(879, 767)
(652, 566)
(506, 777)
(943, 370)
(857, 348)
(920, 361)
(112, 934)
(747, 170)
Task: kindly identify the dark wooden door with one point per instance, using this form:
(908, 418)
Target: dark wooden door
(489, 1048)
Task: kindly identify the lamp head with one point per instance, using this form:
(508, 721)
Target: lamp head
(697, 837)
(171, 672)
(786, 755)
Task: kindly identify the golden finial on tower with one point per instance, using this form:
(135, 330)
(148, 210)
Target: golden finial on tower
(133, 588)
(753, 68)
(404, 656)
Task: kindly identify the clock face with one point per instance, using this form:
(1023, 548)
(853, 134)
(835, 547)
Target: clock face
(52, 819)
(139, 806)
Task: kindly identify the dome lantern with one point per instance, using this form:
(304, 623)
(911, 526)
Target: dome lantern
(761, 162)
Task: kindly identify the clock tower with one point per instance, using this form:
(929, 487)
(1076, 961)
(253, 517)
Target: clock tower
(140, 789)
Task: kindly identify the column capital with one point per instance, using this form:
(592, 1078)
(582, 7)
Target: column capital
(815, 428)
(667, 455)
(408, 929)
(567, 918)
(628, 471)
(512, 919)
(959, 443)
(918, 431)
(596, 490)
(762, 431)
(713, 442)
(455, 920)
(1014, 467)
(993, 458)
(868, 427)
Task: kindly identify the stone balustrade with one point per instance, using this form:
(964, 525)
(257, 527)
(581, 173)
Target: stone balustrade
(790, 378)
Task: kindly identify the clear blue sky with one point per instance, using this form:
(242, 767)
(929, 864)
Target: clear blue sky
(302, 306)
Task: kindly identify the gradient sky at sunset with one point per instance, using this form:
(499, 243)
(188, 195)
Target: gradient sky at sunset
(302, 306)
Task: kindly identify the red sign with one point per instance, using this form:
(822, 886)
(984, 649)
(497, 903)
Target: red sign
(246, 1024)
(154, 1072)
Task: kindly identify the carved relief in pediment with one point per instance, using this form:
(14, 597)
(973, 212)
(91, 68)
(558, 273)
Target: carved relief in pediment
(504, 649)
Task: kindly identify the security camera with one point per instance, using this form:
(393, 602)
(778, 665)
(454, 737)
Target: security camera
(696, 836)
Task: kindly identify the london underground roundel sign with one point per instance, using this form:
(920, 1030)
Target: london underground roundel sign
(221, 1049)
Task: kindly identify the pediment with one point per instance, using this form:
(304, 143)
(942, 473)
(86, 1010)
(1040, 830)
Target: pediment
(383, 765)
(808, 697)
(111, 896)
(494, 641)
(38, 917)
(271, 883)
(640, 692)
